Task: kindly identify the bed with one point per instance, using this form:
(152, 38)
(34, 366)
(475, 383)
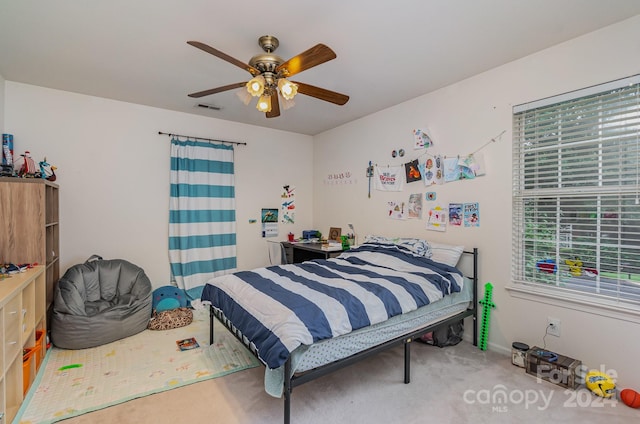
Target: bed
(303, 321)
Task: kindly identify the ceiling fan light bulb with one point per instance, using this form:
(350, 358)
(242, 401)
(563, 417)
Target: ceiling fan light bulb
(255, 86)
(264, 104)
(287, 88)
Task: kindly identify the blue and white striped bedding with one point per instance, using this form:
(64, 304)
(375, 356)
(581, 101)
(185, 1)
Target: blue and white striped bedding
(279, 308)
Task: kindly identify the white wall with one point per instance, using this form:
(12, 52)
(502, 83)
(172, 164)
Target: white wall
(463, 117)
(2, 104)
(114, 173)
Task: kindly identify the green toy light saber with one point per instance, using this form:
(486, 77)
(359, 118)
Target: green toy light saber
(487, 305)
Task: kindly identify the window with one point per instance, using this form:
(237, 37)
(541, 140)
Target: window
(576, 200)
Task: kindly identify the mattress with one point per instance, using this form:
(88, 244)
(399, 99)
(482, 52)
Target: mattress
(280, 308)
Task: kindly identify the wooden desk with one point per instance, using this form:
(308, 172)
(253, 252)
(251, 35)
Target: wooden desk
(300, 252)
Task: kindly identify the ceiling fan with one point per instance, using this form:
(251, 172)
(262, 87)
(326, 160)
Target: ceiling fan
(269, 76)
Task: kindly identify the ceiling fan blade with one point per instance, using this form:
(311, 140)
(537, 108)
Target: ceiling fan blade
(308, 59)
(224, 56)
(217, 90)
(321, 93)
(275, 106)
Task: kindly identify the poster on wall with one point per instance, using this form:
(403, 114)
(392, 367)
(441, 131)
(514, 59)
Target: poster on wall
(471, 214)
(455, 214)
(396, 210)
(412, 171)
(269, 219)
(288, 205)
(472, 166)
(421, 139)
(432, 172)
(451, 170)
(437, 219)
(415, 206)
(390, 178)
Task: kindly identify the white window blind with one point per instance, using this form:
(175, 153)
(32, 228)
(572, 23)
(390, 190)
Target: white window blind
(576, 201)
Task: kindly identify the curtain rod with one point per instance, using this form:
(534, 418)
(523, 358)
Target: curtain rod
(200, 138)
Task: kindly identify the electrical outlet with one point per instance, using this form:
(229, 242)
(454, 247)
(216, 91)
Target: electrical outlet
(553, 326)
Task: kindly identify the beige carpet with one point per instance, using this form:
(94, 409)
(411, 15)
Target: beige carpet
(74, 382)
(450, 385)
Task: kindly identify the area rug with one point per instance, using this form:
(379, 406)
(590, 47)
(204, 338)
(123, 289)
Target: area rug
(74, 382)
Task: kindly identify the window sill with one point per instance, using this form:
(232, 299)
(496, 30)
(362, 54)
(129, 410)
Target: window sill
(576, 301)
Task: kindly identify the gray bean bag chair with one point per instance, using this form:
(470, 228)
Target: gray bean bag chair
(98, 302)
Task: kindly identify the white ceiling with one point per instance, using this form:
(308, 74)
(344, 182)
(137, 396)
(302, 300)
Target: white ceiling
(388, 52)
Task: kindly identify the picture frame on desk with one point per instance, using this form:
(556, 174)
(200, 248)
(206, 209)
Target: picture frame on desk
(335, 233)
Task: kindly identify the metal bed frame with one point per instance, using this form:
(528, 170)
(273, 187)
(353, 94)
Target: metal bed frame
(406, 339)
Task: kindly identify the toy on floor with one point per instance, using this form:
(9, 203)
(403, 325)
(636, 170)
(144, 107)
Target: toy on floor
(630, 397)
(487, 305)
(168, 297)
(600, 384)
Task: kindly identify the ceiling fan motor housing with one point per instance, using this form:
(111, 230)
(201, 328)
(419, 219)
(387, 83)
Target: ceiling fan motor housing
(266, 62)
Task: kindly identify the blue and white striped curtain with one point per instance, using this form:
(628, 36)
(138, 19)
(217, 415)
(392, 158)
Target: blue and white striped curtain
(202, 215)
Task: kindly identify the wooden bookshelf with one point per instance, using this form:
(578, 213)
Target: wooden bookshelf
(30, 230)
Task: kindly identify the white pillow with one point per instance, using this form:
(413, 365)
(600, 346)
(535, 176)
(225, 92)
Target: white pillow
(446, 253)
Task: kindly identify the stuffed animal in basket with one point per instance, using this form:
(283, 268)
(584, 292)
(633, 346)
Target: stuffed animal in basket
(169, 306)
(168, 297)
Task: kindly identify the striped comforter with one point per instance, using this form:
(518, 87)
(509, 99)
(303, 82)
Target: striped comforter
(279, 308)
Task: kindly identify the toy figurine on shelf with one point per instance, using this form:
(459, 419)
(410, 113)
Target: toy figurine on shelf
(25, 166)
(47, 171)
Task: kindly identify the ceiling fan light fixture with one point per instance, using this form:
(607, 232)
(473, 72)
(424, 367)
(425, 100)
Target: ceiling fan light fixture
(287, 88)
(264, 103)
(244, 96)
(286, 104)
(255, 86)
